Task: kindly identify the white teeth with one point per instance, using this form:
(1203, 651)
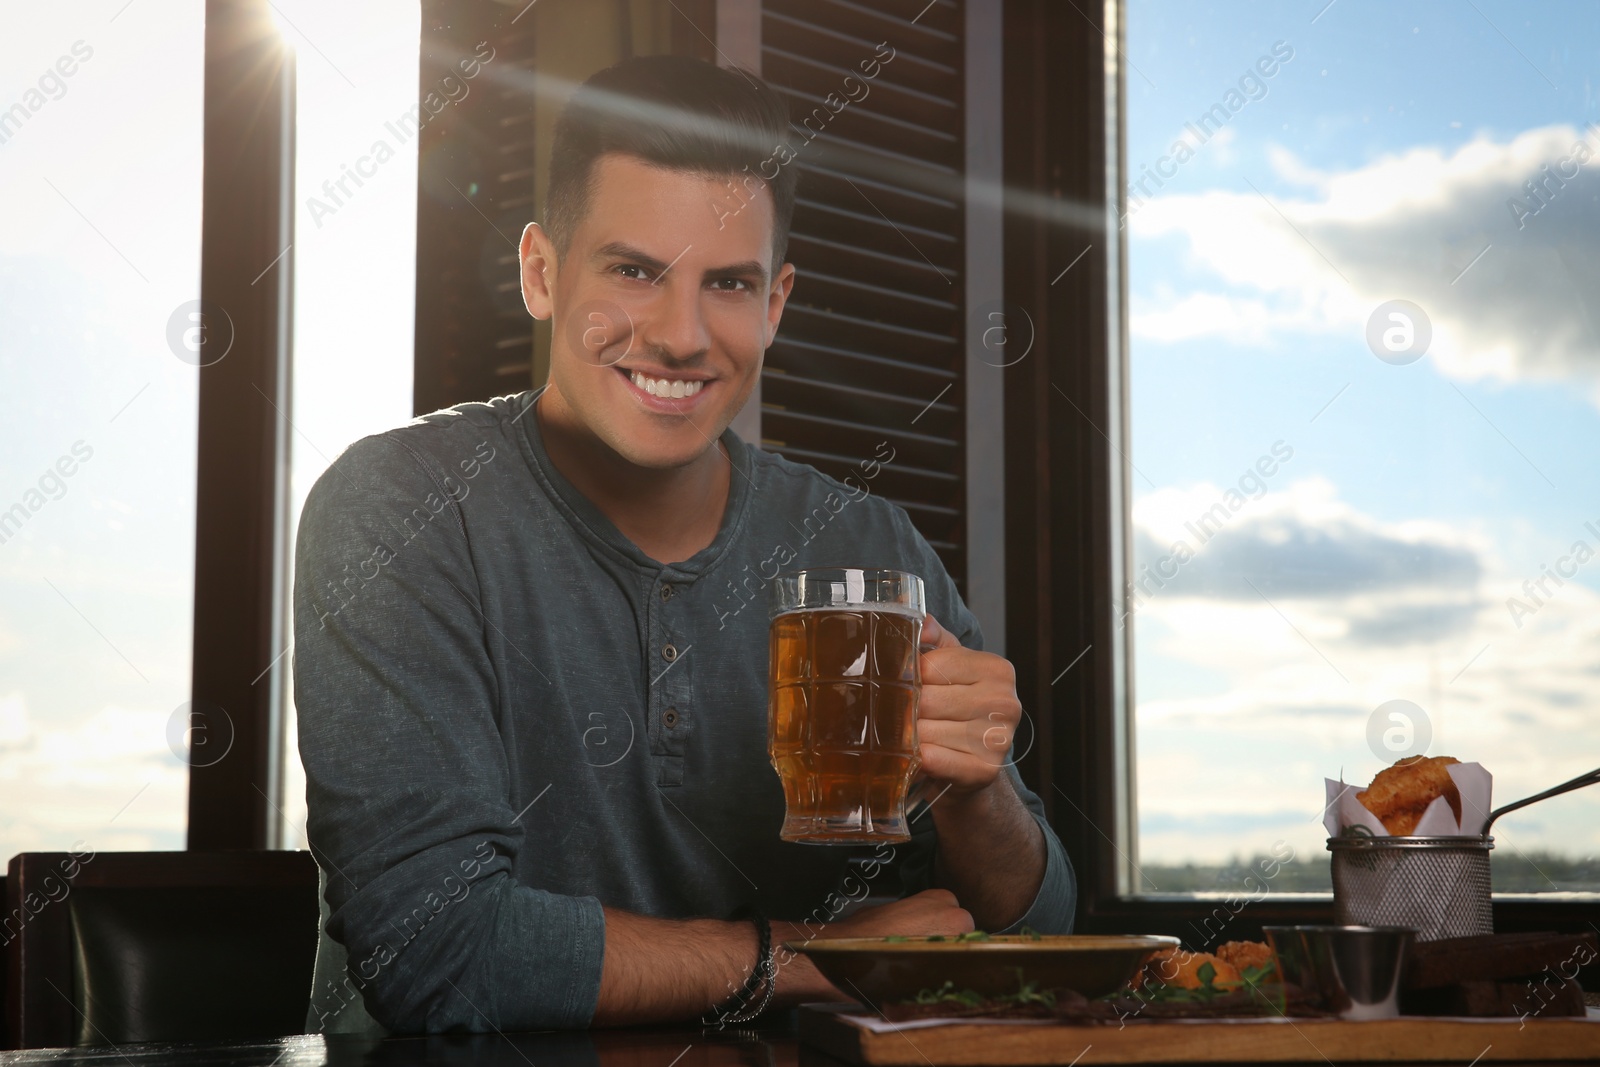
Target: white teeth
(663, 387)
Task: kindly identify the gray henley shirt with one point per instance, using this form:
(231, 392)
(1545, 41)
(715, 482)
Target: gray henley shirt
(510, 716)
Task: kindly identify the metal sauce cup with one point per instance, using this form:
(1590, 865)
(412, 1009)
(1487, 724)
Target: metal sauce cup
(1353, 971)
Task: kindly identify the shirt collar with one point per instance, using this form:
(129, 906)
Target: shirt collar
(591, 522)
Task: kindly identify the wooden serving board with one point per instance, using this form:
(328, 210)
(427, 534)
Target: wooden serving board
(842, 1032)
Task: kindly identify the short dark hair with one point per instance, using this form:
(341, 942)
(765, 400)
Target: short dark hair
(674, 112)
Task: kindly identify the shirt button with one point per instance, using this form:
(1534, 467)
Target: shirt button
(671, 718)
(666, 591)
(669, 653)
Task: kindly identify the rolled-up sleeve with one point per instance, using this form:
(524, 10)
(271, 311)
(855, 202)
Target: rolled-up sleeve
(407, 776)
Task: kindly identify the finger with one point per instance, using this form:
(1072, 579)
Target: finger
(988, 741)
(983, 704)
(942, 897)
(958, 666)
(961, 703)
(958, 768)
(935, 635)
(953, 702)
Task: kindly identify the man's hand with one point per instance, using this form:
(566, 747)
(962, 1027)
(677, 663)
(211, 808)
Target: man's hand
(661, 970)
(968, 713)
(991, 850)
(933, 911)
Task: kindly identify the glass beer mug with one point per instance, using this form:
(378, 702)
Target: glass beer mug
(844, 681)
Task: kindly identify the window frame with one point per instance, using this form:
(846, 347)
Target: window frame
(1068, 520)
(241, 492)
(1065, 502)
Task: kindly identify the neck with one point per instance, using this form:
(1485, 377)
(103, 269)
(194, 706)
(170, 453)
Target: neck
(669, 514)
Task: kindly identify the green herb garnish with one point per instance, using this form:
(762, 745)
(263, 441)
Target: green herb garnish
(1257, 976)
(1027, 993)
(948, 993)
(1164, 993)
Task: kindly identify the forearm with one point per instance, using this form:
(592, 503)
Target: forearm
(671, 970)
(991, 853)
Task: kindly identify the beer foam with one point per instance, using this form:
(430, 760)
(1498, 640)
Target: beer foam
(887, 609)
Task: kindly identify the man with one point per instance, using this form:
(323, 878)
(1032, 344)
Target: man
(531, 637)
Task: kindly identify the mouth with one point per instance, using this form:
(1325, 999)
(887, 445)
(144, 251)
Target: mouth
(669, 395)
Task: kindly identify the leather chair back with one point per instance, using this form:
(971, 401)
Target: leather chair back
(158, 946)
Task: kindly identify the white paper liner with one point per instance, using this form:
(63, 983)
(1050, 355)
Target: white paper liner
(1473, 783)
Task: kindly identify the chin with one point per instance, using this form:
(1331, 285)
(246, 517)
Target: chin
(661, 451)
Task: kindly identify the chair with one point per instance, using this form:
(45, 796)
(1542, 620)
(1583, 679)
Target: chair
(113, 948)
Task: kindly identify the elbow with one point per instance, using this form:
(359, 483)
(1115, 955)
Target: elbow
(507, 957)
(408, 1010)
(409, 996)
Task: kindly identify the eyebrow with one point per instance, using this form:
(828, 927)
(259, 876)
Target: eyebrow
(621, 250)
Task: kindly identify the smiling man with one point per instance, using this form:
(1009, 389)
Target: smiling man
(532, 710)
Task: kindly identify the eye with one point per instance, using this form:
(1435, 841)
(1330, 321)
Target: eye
(730, 285)
(638, 273)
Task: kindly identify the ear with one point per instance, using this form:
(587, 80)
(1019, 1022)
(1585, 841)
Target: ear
(539, 269)
(777, 297)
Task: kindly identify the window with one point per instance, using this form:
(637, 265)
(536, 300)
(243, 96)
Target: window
(1362, 279)
(100, 132)
(354, 259)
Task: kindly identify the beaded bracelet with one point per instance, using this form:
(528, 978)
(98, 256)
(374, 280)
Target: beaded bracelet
(743, 1006)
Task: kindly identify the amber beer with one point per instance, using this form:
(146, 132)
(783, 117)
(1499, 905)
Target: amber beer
(844, 683)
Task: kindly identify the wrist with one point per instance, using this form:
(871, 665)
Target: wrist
(962, 804)
(799, 981)
(750, 993)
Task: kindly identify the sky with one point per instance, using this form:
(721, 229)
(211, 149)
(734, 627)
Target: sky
(1383, 159)
(99, 249)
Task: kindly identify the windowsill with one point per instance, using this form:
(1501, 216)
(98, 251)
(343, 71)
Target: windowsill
(1210, 895)
(1563, 896)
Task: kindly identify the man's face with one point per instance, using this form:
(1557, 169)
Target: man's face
(662, 308)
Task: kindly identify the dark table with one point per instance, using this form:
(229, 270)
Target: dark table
(772, 1045)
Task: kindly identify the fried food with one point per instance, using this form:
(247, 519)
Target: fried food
(1403, 823)
(1180, 968)
(1149, 972)
(1400, 794)
(1188, 976)
(1244, 955)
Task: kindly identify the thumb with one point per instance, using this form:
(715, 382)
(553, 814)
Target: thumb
(935, 636)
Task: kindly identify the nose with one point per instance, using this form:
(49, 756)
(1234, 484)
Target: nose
(675, 327)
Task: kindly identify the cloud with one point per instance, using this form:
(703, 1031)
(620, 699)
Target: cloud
(1404, 624)
(109, 781)
(1410, 226)
(13, 721)
(1300, 543)
(1243, 706)
(1285, 558)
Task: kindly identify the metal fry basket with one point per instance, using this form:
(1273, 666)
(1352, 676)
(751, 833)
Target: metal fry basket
(1438, 886)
